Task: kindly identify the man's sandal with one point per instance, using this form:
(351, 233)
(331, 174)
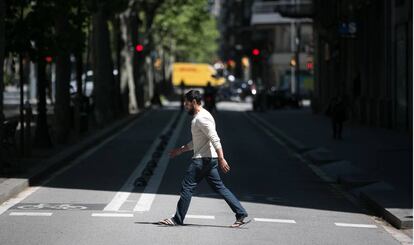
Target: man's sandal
(239, 223)
(167, 222)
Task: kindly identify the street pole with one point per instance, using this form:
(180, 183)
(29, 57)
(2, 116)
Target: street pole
(21, 105)
(293, 50)
(297, 58)
(21, 94)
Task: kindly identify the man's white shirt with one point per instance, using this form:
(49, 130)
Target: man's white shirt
(205, 140)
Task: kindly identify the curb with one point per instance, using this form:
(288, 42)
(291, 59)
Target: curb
(11, 187)
(392, 211)
(399, 218)
(296, 145)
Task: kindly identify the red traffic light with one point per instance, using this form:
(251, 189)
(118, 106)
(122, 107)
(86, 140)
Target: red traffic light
(139, 48)
(255, 52)
(49, 59)
(309, 65)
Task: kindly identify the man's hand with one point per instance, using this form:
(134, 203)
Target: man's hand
(175, 152)
(224, 166)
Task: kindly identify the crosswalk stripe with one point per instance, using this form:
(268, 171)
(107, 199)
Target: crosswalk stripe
(288, 221)
(29, 214)
(355, 225)
(192, 216)
(112, 215)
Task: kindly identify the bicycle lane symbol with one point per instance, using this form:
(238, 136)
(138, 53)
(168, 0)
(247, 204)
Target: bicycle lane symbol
(55, 206)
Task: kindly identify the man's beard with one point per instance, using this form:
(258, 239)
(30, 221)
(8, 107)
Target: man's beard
(191, 111)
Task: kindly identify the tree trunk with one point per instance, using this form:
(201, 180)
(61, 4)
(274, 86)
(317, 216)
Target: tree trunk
(62, 105)
(116, 33)
(79, 94)
(127, 74)
(102, 69)
(2, 47)
(42, 137)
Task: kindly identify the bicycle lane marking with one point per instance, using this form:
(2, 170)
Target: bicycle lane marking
(58, 206)
(30, 190)
(15, 200)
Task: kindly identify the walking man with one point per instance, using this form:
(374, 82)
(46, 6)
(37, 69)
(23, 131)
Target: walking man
(208, 156)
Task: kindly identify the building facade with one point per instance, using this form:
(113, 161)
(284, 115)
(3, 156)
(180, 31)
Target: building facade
(363, 50)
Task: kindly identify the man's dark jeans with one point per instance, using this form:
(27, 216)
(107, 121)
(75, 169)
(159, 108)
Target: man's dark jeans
(205, 168)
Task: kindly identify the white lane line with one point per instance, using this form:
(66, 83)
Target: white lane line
(122, 195)
(93, 149)
(119, 215)
(193, 216)
(30, 214)
(287, 221)
(147, 197)
(356, 225)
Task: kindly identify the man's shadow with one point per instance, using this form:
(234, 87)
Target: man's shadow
(189, 225)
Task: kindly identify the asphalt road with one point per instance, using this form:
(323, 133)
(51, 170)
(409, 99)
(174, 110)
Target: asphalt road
(94, 202)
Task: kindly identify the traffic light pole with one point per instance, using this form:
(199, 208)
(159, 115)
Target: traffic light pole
(297, 58)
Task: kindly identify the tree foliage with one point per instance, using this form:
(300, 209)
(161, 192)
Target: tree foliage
(187, 30)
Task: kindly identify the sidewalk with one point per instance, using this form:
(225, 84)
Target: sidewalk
(374, 164)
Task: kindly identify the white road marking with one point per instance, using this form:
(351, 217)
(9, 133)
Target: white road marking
(92, 150)
(147, 197)
(288, 221)
(15, 200)
(355, 225)
(30, 214)
(27, 192)
(121, 197)
(112, 215)
(193, 216)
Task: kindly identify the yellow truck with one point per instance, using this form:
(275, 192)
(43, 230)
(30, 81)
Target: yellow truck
(194, 75)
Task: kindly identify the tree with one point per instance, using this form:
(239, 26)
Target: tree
(62, 109)
(187, 31)
(2, 51)
(105, 85)
(129, 35)
(184, 31)
(29, 33)
(41, 35)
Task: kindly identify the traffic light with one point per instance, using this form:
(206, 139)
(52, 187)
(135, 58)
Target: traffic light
(231, 64)
(245, 62)
(309, 65)
(256, 52)
(292, 62)
(48, 59)
(139, 48)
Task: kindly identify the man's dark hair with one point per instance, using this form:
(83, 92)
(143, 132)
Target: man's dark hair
(193, 95)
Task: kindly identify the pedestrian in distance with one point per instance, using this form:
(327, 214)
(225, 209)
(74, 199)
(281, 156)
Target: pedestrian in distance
(338, 112)
(207, 157)
(210, 98)
(182, 99)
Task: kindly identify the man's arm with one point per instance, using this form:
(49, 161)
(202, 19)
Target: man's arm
(224, 166)
(178, 151)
